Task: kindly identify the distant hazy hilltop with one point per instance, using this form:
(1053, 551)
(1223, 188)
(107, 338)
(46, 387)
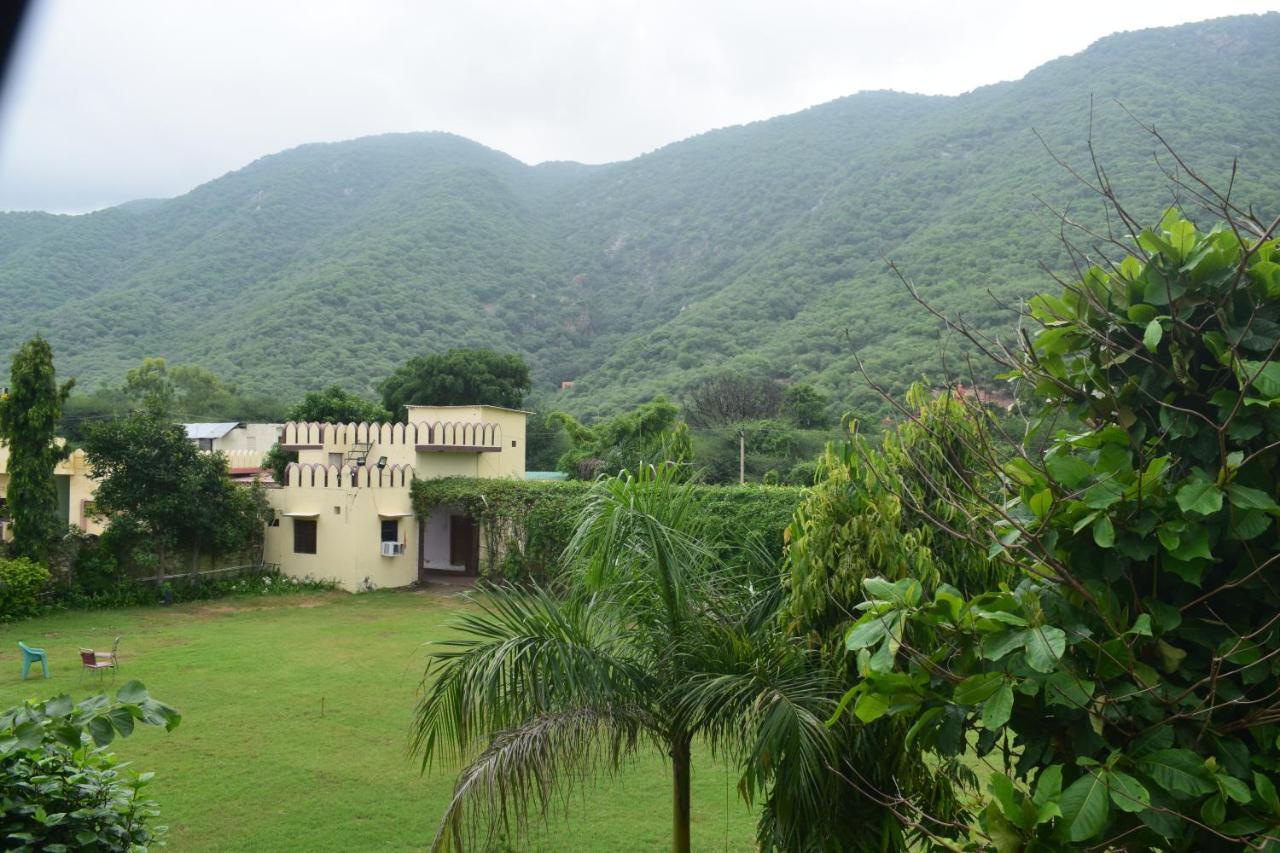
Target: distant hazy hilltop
(758, 247)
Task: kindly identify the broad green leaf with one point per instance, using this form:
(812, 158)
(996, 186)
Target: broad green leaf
(1070, 471)
(1200, 495)
(101, 730)
(1001, 787)
(976, 688)
(869, 631)
(870, 707)
(1178, 770)
(1243, 497)
(1249, 525)
(998, 707)
(1048, 784)
(906, 591)
(1214, 810)
(1127, 793)
(1085, 807)
(1151, 337)
(1104, 533)
(1182, 236)
(132, 693)
(1193, 544)
(1005, 837)
(1265, 376)
(1266, 792)
(996, 646)
(1040, 503)
(122, 720)
(1141, 313)
(1234, 788)
(1045, 646)
(1170, 656)
(1063, 688)
(1141, 625)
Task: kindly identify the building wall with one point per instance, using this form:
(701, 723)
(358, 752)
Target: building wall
(457, 441)
(80, 489)
(252, 437)
(348, 528)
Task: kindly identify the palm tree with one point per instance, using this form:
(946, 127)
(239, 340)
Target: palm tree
(658, 639)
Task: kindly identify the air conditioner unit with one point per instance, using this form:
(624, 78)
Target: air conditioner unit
(393, 549)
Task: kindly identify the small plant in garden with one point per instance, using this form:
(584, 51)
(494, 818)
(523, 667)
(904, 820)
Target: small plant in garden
(21, 583)
(60, 789)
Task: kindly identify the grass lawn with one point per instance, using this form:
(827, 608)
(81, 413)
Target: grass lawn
(296, 714)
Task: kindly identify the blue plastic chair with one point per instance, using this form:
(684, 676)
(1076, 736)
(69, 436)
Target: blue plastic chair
(30, 656)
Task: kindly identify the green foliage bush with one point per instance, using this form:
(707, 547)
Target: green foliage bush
(21, 583)
(527, 525)
(1124, 688)
(60, 790)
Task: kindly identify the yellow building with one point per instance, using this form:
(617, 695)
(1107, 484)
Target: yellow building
(345, 511)
(75, 492)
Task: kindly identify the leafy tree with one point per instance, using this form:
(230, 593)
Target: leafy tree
(655, 641)
(61, 790)
(334, 405)
(459, 377)
(805, 406)
(150, 387)
(29, 416)
(1124, 687)
(155, 484)
(651, 434)
(730, 398)
(854, 525)
(276, 460)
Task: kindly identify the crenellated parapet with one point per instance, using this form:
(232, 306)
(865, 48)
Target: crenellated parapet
(437, 436)
(304, 475)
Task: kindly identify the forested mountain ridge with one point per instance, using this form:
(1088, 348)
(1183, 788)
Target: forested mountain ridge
(756, 247)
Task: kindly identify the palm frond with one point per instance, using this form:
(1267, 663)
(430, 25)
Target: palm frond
(535, 766)
(763, 702)
(521, 654)
(640, 540)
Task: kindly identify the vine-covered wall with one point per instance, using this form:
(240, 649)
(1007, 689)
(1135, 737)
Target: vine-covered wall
(526, 525)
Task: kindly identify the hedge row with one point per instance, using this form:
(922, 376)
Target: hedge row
(526, 525)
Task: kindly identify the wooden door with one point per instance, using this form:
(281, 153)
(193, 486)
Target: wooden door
(464, 544)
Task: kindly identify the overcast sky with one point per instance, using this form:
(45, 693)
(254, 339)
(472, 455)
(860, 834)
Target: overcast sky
(123, 99)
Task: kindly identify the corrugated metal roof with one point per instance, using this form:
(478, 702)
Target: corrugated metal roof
(196, 431)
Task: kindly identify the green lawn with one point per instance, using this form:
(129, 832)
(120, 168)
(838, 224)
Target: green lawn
(296, 714)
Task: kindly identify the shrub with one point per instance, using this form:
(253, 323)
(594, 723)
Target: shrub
(21, 582)
(60, 789)
(527, 525)
(1123, 690)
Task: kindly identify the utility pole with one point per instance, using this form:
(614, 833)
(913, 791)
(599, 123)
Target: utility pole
(742, 457)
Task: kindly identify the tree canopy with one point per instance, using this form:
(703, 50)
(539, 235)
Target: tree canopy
(159, 490)
(29, 415)
(459, 377)
(334, 405)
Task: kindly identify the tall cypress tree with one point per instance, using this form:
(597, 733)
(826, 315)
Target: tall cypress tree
(28, 418)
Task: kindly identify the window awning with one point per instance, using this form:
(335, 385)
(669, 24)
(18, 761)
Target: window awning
(395, 515)
(301, 515)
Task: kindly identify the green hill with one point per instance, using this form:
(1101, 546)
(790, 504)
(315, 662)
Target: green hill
(756, 247)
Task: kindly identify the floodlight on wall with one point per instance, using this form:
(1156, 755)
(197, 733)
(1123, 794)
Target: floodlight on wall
(382, 462)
